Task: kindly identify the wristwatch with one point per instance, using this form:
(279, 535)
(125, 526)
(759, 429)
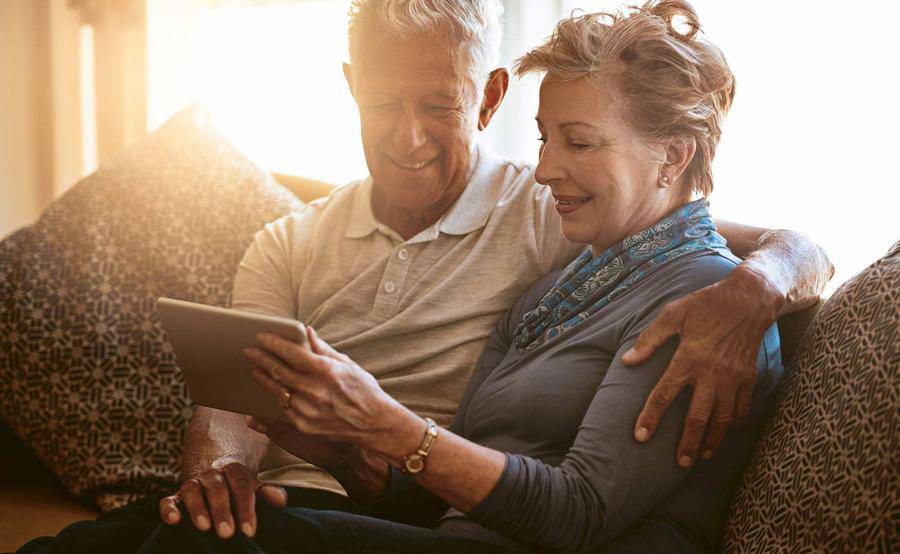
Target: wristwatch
(415, 462)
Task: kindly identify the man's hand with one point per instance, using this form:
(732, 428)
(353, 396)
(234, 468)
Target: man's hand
(220, 494)
(720, 329)
(364, 477)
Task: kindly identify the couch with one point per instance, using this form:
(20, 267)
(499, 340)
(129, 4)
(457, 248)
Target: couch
(92, 414)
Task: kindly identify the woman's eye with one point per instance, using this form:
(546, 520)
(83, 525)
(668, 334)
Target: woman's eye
(542, 140)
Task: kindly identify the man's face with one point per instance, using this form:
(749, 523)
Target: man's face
(418, 117)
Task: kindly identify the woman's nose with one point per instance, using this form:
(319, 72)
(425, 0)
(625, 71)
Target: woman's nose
(409, 133)
(548, 170)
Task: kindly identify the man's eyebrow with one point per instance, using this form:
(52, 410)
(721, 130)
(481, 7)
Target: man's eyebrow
(445, 96)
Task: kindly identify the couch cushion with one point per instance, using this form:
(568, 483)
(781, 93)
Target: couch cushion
(87, 380)
(825, 475)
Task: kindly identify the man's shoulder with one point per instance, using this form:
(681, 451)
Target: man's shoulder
(302, 224)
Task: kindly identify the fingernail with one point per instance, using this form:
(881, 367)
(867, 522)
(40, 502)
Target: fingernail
(248, 351)
(630, 354)
(247, 529)
(707, 454)
(641, 434)
(202, 523)
(224, 529)
(172, 517)
(684, 461)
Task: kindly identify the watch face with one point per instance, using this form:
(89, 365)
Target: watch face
(415, 464)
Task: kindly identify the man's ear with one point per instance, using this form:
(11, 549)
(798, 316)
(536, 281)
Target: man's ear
(494, 91)
(679, 153)
(348, 76)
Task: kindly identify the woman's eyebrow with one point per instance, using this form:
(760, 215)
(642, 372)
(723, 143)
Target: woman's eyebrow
(577, 123)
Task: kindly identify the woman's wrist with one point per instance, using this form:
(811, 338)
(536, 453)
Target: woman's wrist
(400, 436)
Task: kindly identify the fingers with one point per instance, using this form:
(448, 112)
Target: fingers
(195, 503)
(277, 371)
(273, 387)
(720, 423)
(662, 395)
(219, 501)
(321, 347)
(243, 495)
(743, 402)
(299, 358)
(168, 509)
(703, 402)
(666, 325)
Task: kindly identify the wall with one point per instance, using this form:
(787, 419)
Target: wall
(40, 119)
(22, 192)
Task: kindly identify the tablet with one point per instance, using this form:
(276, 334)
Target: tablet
(208, 343)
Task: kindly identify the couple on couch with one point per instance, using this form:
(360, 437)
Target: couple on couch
(563, 286)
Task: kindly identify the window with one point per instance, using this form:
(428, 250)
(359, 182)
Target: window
(809, 144)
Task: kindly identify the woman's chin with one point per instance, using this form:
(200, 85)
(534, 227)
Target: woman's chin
(576, 235)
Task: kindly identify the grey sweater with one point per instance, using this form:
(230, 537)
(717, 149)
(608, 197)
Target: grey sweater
(564, 412)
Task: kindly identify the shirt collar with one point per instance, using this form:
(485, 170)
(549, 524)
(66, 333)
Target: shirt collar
(470, 211)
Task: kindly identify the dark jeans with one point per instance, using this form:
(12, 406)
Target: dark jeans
(316, 521)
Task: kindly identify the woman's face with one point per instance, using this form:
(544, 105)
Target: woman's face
(606, 180)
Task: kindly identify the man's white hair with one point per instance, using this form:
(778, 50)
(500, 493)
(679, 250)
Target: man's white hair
(474, 23)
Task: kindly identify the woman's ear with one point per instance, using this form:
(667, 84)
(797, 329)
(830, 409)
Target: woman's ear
(494, 91)
(679, 153)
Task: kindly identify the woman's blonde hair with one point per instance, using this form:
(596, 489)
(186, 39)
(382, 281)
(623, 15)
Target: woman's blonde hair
(672, 83)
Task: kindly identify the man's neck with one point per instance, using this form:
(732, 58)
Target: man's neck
(407, 223)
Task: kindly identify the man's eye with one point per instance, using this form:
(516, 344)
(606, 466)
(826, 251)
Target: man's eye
(579, 145)
(438, 110)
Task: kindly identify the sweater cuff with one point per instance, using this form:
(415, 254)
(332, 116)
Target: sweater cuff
(497, 501)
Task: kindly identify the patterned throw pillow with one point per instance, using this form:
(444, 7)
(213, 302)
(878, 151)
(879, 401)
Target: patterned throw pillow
(87, 380)
(826, 476)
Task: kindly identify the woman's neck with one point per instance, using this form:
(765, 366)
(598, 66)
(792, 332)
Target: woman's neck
(671, 203)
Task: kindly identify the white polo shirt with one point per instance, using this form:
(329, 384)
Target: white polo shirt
(414, 313)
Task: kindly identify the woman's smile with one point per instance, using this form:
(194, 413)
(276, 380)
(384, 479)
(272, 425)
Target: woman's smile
(570, 204)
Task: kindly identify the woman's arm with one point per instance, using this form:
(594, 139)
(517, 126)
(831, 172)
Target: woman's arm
(606, 481)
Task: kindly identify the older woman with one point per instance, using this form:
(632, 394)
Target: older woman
(541, 452)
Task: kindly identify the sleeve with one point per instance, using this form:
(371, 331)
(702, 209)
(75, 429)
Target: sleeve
(607, 480)
(265, 281)
(554, 250)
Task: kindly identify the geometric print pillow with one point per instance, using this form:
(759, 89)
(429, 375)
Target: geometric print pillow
(87, 379)
(826, 475)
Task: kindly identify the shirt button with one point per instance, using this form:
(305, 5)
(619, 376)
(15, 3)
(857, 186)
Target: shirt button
(390, 287)
(403, 254)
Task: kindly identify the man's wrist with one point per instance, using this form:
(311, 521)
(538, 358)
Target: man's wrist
(364, 476)
(760, 284)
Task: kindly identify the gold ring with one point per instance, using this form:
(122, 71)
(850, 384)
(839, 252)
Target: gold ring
(286, 399)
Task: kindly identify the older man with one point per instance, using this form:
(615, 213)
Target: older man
(407, 271)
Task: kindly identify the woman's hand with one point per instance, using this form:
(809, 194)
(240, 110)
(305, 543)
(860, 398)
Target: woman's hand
(720, 329)
(324, 393)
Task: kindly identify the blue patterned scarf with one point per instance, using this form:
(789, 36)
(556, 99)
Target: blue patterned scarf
(590, 282)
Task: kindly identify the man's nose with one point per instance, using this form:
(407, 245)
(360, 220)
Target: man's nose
(409, 133)
(548, 170)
